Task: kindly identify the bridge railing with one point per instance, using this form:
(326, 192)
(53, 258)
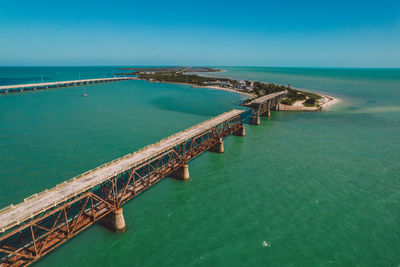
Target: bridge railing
(113, 162)
(45, 230)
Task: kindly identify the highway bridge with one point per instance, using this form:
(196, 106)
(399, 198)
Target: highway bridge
(5, 89)
(42, 222)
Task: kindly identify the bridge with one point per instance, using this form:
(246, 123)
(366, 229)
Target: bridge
(31, 229)
(263, 105)
(38, 86)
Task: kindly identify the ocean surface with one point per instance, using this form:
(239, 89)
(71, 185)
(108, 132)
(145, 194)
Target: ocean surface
(301, 189)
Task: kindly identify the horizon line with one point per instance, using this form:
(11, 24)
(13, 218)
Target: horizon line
(215, 66)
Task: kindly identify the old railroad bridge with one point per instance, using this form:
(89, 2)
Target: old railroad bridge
(42, 222)
(262, 106)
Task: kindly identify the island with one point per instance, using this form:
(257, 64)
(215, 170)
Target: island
(295, 100)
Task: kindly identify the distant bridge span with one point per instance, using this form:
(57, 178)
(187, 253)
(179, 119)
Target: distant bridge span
(42, 222)
(263, 105)
(40, 86)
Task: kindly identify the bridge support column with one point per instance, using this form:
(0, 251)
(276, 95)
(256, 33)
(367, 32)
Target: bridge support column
(240, 132)
(267, 113)
(218, 147)
(255, 120)
(115, 221)
(182, 173)
(277, 107)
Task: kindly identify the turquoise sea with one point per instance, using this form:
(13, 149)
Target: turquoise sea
(301, 189)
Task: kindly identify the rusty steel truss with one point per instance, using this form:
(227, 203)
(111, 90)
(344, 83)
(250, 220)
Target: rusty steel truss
(263, 104)
(28, 242)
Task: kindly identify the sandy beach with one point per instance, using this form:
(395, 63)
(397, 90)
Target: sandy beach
(210, 87)
(227, 89)
(331, 101)
(297, 106)
(326, 102)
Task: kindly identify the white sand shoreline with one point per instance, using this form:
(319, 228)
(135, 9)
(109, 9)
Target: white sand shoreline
(209, 86)
(297, 106)
(332, 101)
(227, 89)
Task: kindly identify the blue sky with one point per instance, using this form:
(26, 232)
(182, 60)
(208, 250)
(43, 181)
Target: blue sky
(233, 33)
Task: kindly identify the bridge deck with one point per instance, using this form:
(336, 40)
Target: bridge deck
(14, 215)
(266, 97)
(16, 86)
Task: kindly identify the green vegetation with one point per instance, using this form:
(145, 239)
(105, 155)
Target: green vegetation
(268, 88)
(293, 95)
(179, 77)
(171, 69)
(312, 100)
(182, 75)
(287, 101)
(172, 77)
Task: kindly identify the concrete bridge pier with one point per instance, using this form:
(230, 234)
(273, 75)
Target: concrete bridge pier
(240, 132)
(115, 221)
(218, 147)
(255, 120)
(266, 113)
(277, 107)
(119, 221)
(182, 173)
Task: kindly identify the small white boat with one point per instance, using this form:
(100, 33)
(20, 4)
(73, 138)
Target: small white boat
(84, 92)
(84, 88)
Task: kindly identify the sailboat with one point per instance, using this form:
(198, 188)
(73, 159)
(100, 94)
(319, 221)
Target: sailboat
(84, 88)
(84, 92)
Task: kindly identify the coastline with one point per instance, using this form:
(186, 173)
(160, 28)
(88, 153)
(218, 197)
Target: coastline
(208, 86)
(297, 106)
(332, 101)
(227, 89)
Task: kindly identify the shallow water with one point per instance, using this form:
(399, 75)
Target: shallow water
(301, 189)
